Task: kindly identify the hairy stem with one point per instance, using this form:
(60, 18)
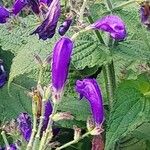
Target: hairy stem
(82, 11)
(73, 142)
(5, 139)
(30, 144)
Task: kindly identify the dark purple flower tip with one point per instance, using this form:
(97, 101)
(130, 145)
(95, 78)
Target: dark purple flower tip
(4, 14)
(25, 125)
(18, 6)
(3, 76)
(34, 4)
(48, 26)
(60, 63)
(48, 111)
(89, 89)
(113, 25)
(12, 147)
(145, 13)
(47, 2)
(64, 27)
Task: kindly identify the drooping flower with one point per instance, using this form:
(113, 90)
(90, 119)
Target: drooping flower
(3, 76)
(4, 14)
(65, 26)
(48, 26)
(20, 4)
(25, 125)
(111, 24)
(89, 89)
(145, 13)
(60, 63)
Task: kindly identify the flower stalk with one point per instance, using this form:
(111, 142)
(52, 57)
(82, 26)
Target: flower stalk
(74, 141)
(5, 139)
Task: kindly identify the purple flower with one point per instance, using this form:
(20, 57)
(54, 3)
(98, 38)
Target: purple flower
(20, 4)
(34, 4)
(48, 111)
(89, 89)
(47, 2)
(60, 63)
(48, 26)
(12, 147)
(111, 24)
(3, 76)
(4, 14)
(25, 125)
(145, 13)
(65, 26)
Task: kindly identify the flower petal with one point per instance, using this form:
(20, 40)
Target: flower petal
(91, 91)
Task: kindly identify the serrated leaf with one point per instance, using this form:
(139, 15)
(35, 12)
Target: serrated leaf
(130, 110)
(12, 105)
(89, 53)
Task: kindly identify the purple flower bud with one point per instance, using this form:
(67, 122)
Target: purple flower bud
(145, 13)
(18, 6)
(25, 125)
(113, 25)
(12, 147)
(48, 26)
(47, 2)
(34, 4)
(60, 63)
(4, 14)
(65, 26)
(3, 76)
(89, 89)
(48, 111)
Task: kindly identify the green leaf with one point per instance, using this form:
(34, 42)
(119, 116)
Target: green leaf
(89, 53)
(12, 105)
(130, 110)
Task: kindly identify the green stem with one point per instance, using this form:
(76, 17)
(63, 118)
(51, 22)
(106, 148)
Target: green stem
(124, 4)
(97, 33)
(82, 11)
(48, 131)
(73, 142)
(109, 5)
(5, 139)
(40, 75)
(30, 144)
(37, 137)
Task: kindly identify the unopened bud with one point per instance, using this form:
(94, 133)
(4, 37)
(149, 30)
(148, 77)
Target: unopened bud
(63, 116)
(77, 132)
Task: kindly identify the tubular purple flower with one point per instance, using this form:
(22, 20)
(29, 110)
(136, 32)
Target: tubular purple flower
(3, 76)
(89, 89)
(145, 13)
(25, 125)
(111, 24)
(4, 14)
(65, 26)
(18, 6)
(48, 26)
(60, 63)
